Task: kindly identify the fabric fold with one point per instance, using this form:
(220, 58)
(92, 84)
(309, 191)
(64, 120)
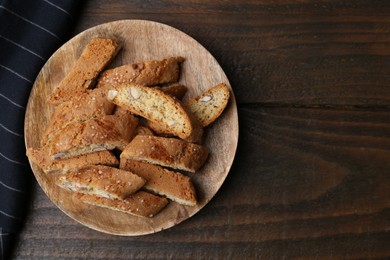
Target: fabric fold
(30, 32)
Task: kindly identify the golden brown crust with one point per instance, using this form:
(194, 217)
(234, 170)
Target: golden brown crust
(143, 130)
(119, 110)
(128, 125)
(106, 133)
(175, 90)
(154, 105)
(168, 152)
(210, 105)
(173, 185)
(147, 73)
(101, 181)
(158, 129)
(49, 165)
(79, 108)
(140, 204)
(95, 56)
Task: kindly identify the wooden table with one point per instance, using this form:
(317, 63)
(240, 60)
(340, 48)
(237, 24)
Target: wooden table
(311, 174)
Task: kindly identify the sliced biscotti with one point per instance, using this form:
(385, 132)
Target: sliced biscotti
(168, 152)
(98, 134)
(143, 130)
(130, 122)
(173, 185)
(175, 90)
(79, 108)
(142, 204)
(158, 129)
(154, 105)
(103, 181)
(210, 105)
(147, 73)
(95, 56)
(41, 158)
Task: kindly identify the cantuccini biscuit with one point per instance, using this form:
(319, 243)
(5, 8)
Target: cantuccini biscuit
(79, 108)
(158, 129)
(154, 105)
(98, 134)
(175, 90)
(95, 56)
(142, 204)
(148, 73)
(210, 105)
(41, 158)
(168, 152)
(173, 185)
(103, 181)
(143, 130)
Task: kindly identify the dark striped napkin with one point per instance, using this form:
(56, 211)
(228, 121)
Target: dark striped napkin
(30, 31)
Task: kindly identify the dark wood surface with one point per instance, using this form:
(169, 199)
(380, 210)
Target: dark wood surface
(311, 174)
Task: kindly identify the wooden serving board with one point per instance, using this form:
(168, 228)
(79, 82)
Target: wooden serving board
(141, 40)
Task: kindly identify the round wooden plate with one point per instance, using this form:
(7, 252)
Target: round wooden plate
(141, 40)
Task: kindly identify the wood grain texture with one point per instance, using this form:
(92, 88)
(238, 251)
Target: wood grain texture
(306, 52)
(310, 177)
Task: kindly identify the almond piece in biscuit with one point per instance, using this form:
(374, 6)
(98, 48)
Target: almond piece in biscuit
(101, 181)
(210, 105)
(168, 152)
(173, 185)
(147, 73)
(142, 204)
(95, 56)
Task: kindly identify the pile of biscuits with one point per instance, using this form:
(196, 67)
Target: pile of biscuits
(121, 138)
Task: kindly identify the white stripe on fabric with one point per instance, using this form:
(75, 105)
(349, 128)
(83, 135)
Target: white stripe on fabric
(22, 47)
(8, 215)
(10, 131)
(56, 6)
(31, 22)
(12, 102)
(1, 243)
(17, 74)
(10, 188)
(10, 160)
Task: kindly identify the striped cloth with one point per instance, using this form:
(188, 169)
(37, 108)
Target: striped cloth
(30, 31)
